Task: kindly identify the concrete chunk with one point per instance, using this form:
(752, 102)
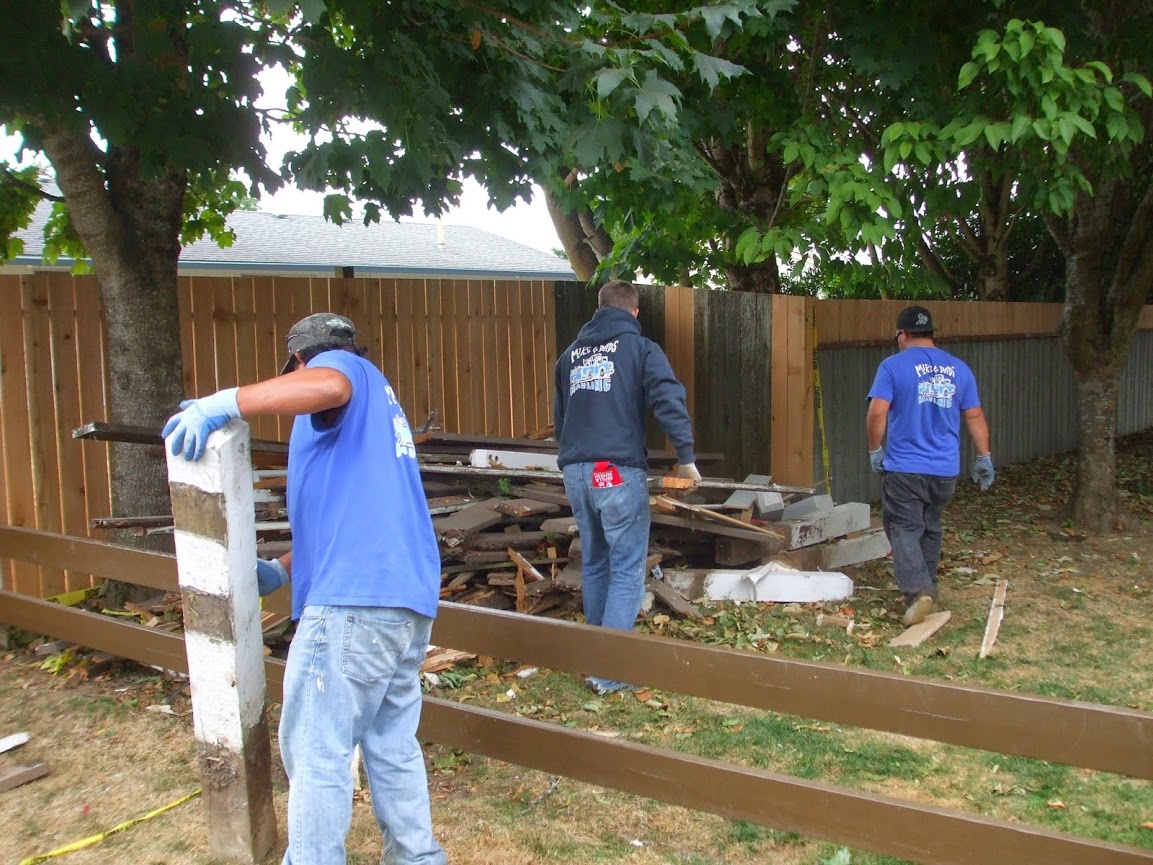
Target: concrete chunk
(775, 582)
(765, 504)
(808, 508)
(850, 517)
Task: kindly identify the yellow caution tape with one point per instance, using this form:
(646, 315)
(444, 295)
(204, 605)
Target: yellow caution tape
(827, 469)
(96, 839)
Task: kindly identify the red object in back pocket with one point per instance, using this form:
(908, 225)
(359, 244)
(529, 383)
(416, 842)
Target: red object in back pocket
(605, 474)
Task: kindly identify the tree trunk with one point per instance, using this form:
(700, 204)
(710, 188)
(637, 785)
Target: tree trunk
(760, 278)
(584, 253)
(1094, 503)
(130, 227)
(1109, 271)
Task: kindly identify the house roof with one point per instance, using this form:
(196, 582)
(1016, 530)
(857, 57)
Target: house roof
(268, 242)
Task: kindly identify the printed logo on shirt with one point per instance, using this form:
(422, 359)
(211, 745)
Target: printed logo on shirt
(938, 389)
(405, 446)
(605, 475)
(594, 373)
(390, 395)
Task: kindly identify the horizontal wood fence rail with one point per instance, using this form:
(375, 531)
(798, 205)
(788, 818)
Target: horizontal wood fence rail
(1000, 721)
(917, 832)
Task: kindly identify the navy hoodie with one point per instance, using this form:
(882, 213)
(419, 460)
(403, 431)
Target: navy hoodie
(605, 382)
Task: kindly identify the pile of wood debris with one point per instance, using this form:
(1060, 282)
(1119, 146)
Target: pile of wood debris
(508, 539)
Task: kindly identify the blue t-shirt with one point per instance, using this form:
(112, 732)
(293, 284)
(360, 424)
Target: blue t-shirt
(361, 532)
(927, 389)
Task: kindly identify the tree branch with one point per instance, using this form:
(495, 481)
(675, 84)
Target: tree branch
(15, 180)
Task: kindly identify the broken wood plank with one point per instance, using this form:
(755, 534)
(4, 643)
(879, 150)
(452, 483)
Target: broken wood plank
(713, 515)
(917, 634)
(825, 620)
(539, 494)
(673, 599)
(523, 564)
(17, 775)
(484, 557)
(452, 531)
(526, 507)
(715, 528)
(559, 526)
(503, 540)
(14, 741)
(996, 614)
(439, 659)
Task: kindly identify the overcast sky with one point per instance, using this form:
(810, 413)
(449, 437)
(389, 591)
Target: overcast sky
(526, 223)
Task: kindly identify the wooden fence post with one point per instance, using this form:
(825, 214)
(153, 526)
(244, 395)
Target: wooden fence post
(212, 507)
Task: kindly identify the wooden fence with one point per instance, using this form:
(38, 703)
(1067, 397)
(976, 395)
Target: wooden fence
(479, 352)
(1096, 737)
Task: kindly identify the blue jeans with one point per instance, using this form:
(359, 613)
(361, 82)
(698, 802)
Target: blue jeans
(614, 532)
(353, 677)
(911, 506)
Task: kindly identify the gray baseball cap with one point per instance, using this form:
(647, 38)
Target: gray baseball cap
(321, 328)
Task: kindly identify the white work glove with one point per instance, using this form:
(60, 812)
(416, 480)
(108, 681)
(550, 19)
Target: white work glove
(983, 472)
(688, 471)
(877, 459)
(270, 575)
(188, 430)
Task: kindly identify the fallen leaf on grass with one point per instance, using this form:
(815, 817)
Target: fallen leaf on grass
(1057, 805)
(643, 696)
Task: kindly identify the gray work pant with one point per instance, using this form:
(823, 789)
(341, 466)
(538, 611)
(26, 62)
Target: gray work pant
(911, 508)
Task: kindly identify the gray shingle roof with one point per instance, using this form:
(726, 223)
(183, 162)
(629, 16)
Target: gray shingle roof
(271, 242)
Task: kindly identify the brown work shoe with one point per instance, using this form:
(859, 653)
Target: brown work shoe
(916, 612)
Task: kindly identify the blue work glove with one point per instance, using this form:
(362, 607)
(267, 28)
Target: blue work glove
(189, 429)
(877, 459)
(270, 575)
(983, 473)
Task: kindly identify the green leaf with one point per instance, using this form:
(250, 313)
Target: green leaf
(608, 80)
(713, 69)
(748, 245)
(1049, 107)
(896, 130)
(1141, 82)
(1084, 125)
(1027, 40)
(716, 16)
(658, 94)
(1056, 37)
(993, 135)
(1020, 123)
(337, 208)
(1105, 71)
(1114, 98)
(906, 149)
(968, 74)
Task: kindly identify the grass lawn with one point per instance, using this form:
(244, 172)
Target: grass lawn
(1077, 625)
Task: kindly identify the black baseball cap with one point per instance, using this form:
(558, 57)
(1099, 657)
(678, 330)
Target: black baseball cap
(915, 319)
(320, 328)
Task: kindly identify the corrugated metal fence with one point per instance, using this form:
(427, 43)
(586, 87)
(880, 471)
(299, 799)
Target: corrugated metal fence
(1023, 376)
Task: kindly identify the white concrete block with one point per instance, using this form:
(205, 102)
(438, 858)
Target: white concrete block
(777, 583)
(846, 518)
(808, 508)
(484, 458)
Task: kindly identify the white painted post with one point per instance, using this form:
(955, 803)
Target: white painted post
(212, 508)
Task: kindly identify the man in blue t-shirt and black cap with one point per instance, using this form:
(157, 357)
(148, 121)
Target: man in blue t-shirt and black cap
(919, 397)
(365, 574)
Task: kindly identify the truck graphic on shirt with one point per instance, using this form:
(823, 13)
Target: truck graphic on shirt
(938, 389)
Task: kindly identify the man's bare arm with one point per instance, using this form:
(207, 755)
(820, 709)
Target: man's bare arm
(876, 421)
(978, 429)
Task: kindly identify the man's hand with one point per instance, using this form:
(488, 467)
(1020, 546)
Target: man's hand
(270, 575)
(188, 430)
(688, 471)
(983, 473)
(877, 459)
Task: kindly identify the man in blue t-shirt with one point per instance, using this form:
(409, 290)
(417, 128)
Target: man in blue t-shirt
(919, 396)
(365, 584)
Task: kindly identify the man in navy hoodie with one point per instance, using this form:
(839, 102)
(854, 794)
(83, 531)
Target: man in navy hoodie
(606, 381)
